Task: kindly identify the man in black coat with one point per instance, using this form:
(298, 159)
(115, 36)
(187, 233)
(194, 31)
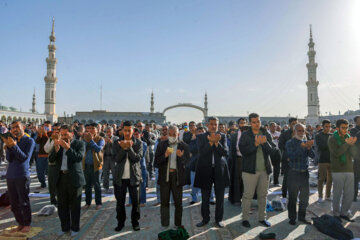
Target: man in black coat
(212, 169)
(355, 132)
(128, 152)
(236, 188)
(69, 179)
(256, 146)
(171, 157)
(284, 137)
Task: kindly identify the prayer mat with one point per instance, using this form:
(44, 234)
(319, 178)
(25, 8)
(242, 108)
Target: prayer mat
(8, 235)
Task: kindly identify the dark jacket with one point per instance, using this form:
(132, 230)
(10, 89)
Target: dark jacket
(321, 140)
(193, 148)
(74, 155)
(248, 150)
(162, 162)
(134, 154)
(284, 137)
(204, 167)
(187, 137)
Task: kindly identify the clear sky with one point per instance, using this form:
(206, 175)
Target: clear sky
(250, 56)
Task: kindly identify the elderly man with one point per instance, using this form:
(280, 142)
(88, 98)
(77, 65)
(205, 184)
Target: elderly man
(171, 157)
(298, 151)
(19, 149)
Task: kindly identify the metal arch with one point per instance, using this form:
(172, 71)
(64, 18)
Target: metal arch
(186, 105)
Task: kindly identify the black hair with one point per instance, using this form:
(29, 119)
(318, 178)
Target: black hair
(292, 119)
(341, 121)
(200, 128)
(356, 117)
(16, 121)
(57, 125)
(253, 115)
(136, 130)
(325, 121)
(213, 119)
(67, 127)
(240, 119)
(127, 124)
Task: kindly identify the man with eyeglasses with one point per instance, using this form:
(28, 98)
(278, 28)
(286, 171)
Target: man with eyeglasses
(342, 149)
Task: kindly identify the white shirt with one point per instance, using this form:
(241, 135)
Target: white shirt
(238, 153)
(64, 162)
(126, 173)
(49, 146)
(173, 156)
(275, 134)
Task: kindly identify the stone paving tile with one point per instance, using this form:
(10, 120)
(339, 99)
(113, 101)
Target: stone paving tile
(100, 224)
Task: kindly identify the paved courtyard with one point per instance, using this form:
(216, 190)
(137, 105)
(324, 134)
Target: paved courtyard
(100, 224)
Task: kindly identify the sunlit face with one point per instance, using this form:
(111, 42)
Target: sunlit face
(242, 123)
(272, 127)
(17, 129)
(343, 129)
(128, 132)
(56, 129)
(140, 126)
(65, 134)
(300, 131)
(164, 131)
(293, 123)
(213, 126)
(222, 128)
(92, 130)
(191, 126)
(173, 133)
(255, 123)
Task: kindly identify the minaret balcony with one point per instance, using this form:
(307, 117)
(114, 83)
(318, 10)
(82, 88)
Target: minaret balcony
(51, 47)
(51, 61)
(51, 79)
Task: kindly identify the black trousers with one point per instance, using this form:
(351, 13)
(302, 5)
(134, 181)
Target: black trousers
(120, 195)
(275, 161)
(284, 187)
(165, 189)
(298, 184)
(205, 201)
(69, 203)
(150, 166)
(18, 189)
(52, 184)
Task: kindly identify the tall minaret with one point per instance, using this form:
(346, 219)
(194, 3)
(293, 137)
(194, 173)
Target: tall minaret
(152, 102)
(51, 79)
(206, 105)
(33, 109)
(312, 86)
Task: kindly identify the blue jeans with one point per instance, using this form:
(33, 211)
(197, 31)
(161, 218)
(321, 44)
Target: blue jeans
(195, 191)
(157, 186)
(41, 169)
(92, 179)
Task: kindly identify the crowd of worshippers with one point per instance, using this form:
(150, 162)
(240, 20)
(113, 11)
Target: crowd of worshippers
(245, 157)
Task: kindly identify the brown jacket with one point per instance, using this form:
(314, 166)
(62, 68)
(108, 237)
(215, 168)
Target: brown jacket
(97, 156)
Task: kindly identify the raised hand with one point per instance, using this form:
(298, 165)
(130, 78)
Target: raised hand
(179, 153)
(64, 144)
(169, 151)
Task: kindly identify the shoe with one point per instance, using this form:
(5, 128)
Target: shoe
(142, 204)
(292, 222)
(86, 206)
(156, 204)
(277, 185)
(17, 229)
(73, 233)
(304, 221)
(201, 224)
(136, 228)
(328, 199)
(192, 202)
(62, 233)
(98, 207)
(347, 218)
(119, 228)
(212, 203)
(219, 225)
(128, 205)
(246, 224)
(320, 200)
(25, 229)
(265, 223)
